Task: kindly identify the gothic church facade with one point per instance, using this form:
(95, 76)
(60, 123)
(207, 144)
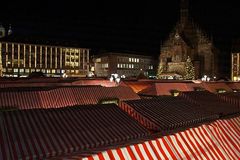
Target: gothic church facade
(187, 39)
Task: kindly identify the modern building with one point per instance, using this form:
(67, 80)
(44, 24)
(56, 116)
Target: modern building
(235, 71)
(235, 60)
(123, 64)
(187, 39)
(20, 59)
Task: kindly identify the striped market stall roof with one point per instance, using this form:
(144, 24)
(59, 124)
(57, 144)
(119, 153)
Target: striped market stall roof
(166, 114)
(210, 102)
(40, 134)
(50, 81)
(138, 86)
(231, 97)
(159, 89)
(217, 140)
(102, 82)
(234, 85)
(56, 97)
(215, 87)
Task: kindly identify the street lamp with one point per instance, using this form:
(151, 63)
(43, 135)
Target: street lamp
(115, 78)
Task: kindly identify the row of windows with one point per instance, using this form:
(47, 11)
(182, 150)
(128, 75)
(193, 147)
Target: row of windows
(12, 46)
(105, 65)
(150, 67)
(48, 71)
(133, 60)
(127, 66)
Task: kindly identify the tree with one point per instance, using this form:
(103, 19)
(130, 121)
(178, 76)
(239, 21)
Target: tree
(189, 70)
(160, 70)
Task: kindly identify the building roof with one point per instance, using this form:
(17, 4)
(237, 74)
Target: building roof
(217, 140)
(41, 134)
(41, 40)
(57, 97)
(126, 54)
(137, 86)
(158, 89)
(234, 85)
(231, 98)
(52, 81)
(210, 102)
(165, 114)
(215, 86)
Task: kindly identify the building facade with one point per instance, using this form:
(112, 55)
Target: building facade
(187, 39)
(21, 59)
(235, 71)
(123, 64)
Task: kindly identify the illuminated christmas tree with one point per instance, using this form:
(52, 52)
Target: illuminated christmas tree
(189, 70)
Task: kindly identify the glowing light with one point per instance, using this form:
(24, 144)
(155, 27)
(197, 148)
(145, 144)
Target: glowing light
(111, 79)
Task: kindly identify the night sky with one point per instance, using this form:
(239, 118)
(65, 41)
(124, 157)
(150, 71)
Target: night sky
(120, 25)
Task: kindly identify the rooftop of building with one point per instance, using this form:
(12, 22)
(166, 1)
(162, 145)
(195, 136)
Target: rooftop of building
(41, 40)
(125, 53)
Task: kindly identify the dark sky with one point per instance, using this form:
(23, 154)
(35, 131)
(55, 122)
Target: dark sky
(126, 25)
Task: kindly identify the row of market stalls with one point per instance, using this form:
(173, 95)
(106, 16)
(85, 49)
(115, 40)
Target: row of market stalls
(76, 122)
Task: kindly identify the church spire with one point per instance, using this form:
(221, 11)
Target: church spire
(184, 12)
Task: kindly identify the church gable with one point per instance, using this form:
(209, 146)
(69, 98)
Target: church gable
(187, 39)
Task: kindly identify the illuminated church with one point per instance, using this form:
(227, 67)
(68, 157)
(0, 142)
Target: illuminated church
(187, 39)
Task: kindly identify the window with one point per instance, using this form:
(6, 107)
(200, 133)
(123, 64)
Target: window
(105, 65)
(109, 101)
(236, 90)
(150, 67)
(174, 92)
(221, 90)
(98, 60)
(130, 59)
(15, 70)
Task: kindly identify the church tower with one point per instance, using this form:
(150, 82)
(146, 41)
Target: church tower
(184, 7)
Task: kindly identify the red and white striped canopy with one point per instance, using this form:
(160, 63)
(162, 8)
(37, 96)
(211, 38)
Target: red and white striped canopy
(217, 140)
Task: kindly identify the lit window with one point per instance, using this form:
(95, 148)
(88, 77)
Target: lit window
(98, 60)
(130, 59)
(221, 90)
(48, 70)
(121, 66)
(137, 60)
(62, 71)
(15, 70)
(27, 70)
(118, 65)
(53, 71)
(21, 70)
(174, 92)
(72, 71)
